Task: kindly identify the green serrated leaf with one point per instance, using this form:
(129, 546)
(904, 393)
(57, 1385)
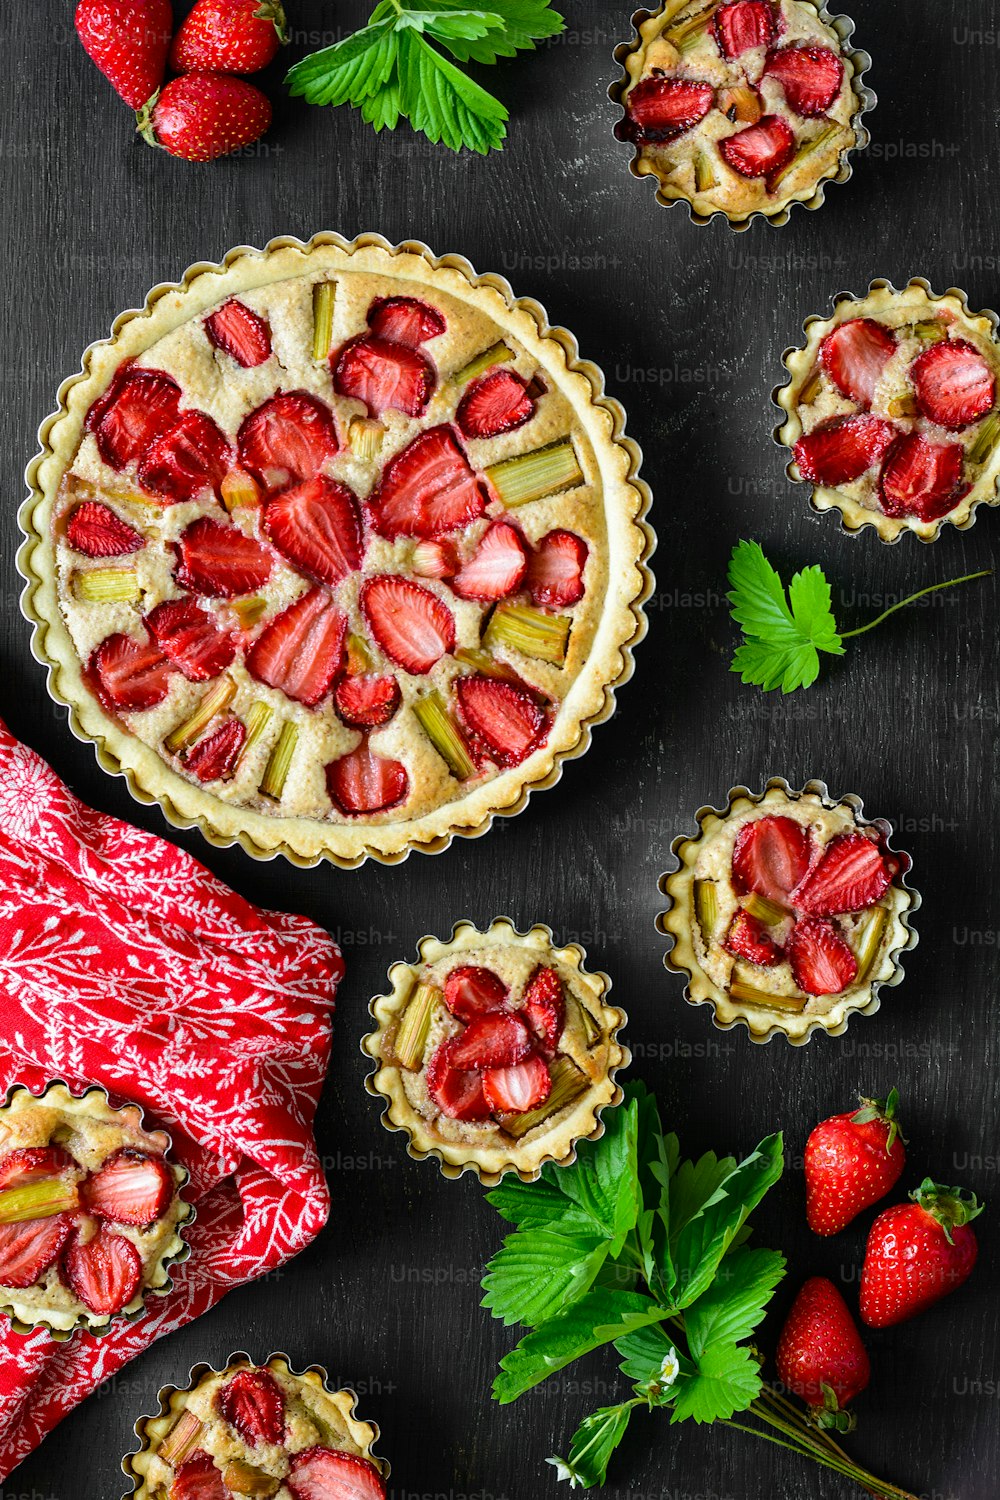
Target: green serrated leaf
(444, 102)
(381, 109)
(525, 22)
(728, 1379)
(592, 1445)
(564, 1337)
(529, 1203)
(702, 1243)
(783, 637)
(349, 71)
(603, 1181)
(643, 1352)
(730, 1309)
(539, 1270)
(695, 1183)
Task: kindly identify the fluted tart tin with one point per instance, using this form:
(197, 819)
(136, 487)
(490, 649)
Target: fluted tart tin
(918, 328)
(189, 1422)
(430, 1010)
(93, 1130)
(765, 920)
(813, 144)
(273, 758)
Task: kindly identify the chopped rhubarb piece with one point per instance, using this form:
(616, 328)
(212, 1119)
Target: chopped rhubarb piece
(413, 626)
(129, 674)
(199, 1479)
(103, 1271)
(365, 701)
(253, 1404)
(843, 449)
(497, 403)
(854, 355)
(41, 1198)
(214, 702)
(258, 718)
(325, 1474)
(139, 407)
(194, 456)
(760, 149)
(289, 437)
(405, 320)
(688, 32)
(191, 638)
(301, 650)
(240, 332)
(28, 1249)
(953, 383)
(470, 990)
(568, 1083)
(457, 1092)
(706, 907)
(32, 1164)
(486, 665)
(741, 106)
(530, 631)
(249, 611)
(812, 147)
(94, 530)
(241, 1478)
(219, 560)
(920, 478)
(107, 586)
(516, 1089)
(359, 658)
(534, 475)
(362, 782)
(384, 376)
(810, 77)
(822, 963)
(316, 525)
(771, 855)
(506, 718)
(181, 1438)
(365, 438)
(435, 559)
(749, 994)
(555, 570)
(747, 939)
(411, 1037)
(427, 489)
(280, 762)
(497, 567)
(870, 940)
(743, 24)
(498, 1039)
(496, 354)
(850, 875)
(131, 1187)
(660, 109)
(239, 490)
(545, 1008)
(324, 300)
(214, 758)
(771, 913)
(986, 440)
(444, 734)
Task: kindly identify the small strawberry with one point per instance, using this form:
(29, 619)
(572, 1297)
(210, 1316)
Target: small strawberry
(427, 489)
(32, 1164)
(917, 1253)
(253, 1403)
(362, 782)
(851, 1161)
(129, 674)
(202, 116)
(506, 717)
(103, 1271)
(326, 1474)
(138, 407)
(522, 1087)
(496, 568)
(555, 570)
(301, 650)
(365, 701)
(290, 437)
(854, 355)
(498, 402)
(498, 1039)
(239, 332)
(128, 40)
(850, 874)
(810, 76)
(820, 1355)
(457, 1092)
(385, 376)
(747, 938)
(95, 531)
(471, 990)
(190, 459)
(822, 962)
(219, 560)
(197, 1478)
(742, 24)
(316, 525)
(191, 638)
(843, 449)
(28, 1249)
(412, 626)
(953, 384)
(131, 1187)
(770, 856)
(229, 36)
(760, 149)
(658, 109)
(405, 320)
(544, 1007)
(922, 479)
(214, 757)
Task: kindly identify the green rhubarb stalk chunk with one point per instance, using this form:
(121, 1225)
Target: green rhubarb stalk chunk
(806, 150)
(214, 701)
(496, 354)
(249, 611)
(239, 490)
(706, 906)
(358, 656)
(810, 389)
(532, 476)
(689, 32)
(704, 172)
(104, 585)
(530, 631)
(768, 912)
(931, 332)
(411, 1038)
(568, 1084)
(37, 1200)
(276, 774)
(748, 994)
(365, 437)
(482, 662)
(444, 734)
(986, 439)
(324, 295)
(590, 1024)
(257, 721)
(181, 1438)
(870, 940)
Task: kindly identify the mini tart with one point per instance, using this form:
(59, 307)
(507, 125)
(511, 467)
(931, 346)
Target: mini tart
(788, 911)
(742, 107)
(900, 364)
(96, 1171)
(336, 550)
(578, 1047)
(260, 1436)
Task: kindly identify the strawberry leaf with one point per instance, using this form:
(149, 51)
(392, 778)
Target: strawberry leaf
(538, 1271)
(348, 72)
(736, 1301)
(595, 1319)
(727, 1380)
(705, 1239)
(783, 637)
(592, 1445)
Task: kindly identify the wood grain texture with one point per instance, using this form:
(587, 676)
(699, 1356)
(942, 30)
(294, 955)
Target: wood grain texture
(689, 325)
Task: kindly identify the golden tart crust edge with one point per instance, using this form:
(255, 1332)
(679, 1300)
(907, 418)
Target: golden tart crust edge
(579, 1121)
(630, 541)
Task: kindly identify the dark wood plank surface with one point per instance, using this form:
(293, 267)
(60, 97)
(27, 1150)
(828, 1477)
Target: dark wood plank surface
(689, 325)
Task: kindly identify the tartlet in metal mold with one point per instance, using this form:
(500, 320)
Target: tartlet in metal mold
(91, 1217)
(744, 108)
(336, 550)
(789, 911)
(890, 410)
(265, 1430)
(497, 1051)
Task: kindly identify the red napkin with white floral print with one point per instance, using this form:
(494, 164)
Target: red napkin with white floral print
(124, 962)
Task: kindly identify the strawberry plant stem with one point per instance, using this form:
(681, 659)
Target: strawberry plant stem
(845, 635)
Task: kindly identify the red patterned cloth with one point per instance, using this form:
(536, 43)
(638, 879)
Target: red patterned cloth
(124, 962)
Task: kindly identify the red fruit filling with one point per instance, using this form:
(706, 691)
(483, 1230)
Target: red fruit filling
(197, 1478)
(822, 963)
(405, 320)
(191, 638)
(743, 24)
(850, 875)
(843, 449)
(810, 77)
(191, 458)
(131, 1187)
(506, 718)
(301, 651)
(363, 782)
(497, 1039)
(129, 674)
(214, 758)
(854, 356)
(545, 1008)
(27, 1250)
(239, 332)
(513, 1090)
(921, 479)
(289, 437)
(658, 109)
(365, 701)
(954, 385)
(760, 149)
(497, 403)
(316, 525)
(771, 855)
(32, 1164)
(555, 570)
(219, 560)
(253, 1403)
(104, 1272)
(471, 991)
(385, 376)
(324, 1474)
(96, 531)
(140, 406)
(496, 568)
(427, 489)
(747, 938)
(412, 626)
(457, 1092)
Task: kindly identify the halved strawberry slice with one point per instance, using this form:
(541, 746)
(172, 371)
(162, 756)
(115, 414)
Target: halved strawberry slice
(131, 1187)
(435, 559)
(192, 639)
(385, 376)
(854, 356)
(366, 701)
(513, 1090)
(219, 560)
(194, 456)
(457, 1092)
(328, 1474)
(921, 479)
(851, 875)
(427, 489)
(96, 531)
(810, 77)
(32, 1164)
(555, 570)
(214, 757)
(822, 963)
(28, 1249)
(239, 332)
(953, 384)
(545, 1007)
(843, 449)
(747, 938)
(413, 626)
(301, 651)
(197, 1478)
(140, 406)
(770, 856)
(129, 674)
(104, 1271)
(317, 526)
(289, 437)
(253, 1403)
(658, 109)
(498, 1039)
(760, 149)
(497, 403)
(496, 568)
(362, 782)
(743, 24)
(471, 990)
(405, 320)
(506, 717)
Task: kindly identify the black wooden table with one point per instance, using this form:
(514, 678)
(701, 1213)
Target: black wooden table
(689, 325)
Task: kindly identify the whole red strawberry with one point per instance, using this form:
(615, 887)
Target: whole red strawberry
(201, 116)
(229, 36)
(820, 1354)
(917, 1253)
(129, 41)
(852, 1161)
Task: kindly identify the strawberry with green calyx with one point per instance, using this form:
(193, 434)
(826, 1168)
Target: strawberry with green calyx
(229, 36)
(821, 1357)
(201, 116)
(128, 40)
(917, 1253)
(851, 1161)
